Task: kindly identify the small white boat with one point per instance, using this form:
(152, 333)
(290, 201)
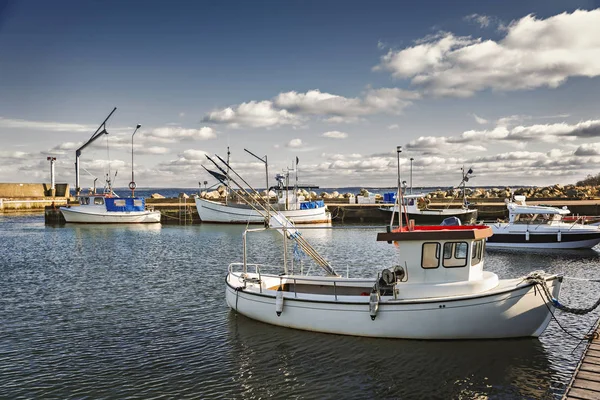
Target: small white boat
(105, 209)
(437, 290)
(541, 227)
(301, 212)
(415, 206)
(246, 210)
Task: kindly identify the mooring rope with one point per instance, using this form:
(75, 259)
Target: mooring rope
(538, 278)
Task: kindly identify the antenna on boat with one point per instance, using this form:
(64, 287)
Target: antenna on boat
(465, 178)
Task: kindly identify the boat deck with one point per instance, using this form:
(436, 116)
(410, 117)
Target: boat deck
(586, 382)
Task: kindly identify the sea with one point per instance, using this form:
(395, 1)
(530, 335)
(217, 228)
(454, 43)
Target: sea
(139, 312)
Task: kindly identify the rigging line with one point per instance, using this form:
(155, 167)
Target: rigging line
(241, 188)
(303, 243)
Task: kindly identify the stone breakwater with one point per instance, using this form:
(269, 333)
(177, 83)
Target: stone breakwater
(547, 192)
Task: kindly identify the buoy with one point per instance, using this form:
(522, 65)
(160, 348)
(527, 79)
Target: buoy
(559, 236)
(374, 304)
(527, 236)
(279, 302)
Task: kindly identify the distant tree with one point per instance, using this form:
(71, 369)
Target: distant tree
(590, 180)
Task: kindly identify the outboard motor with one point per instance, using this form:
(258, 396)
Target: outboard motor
(451, 221)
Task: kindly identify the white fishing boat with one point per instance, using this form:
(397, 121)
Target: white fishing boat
(530, 226)
(251, 208)
(415, 207)
(298, 211)
(105, 209)
(437, 290)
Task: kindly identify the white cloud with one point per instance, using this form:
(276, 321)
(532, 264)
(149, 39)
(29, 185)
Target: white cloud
(254, 114)
(14, 155)
(45, 125)
(386, 100)
(479, 120)
(482, 20)
(288, 108)
(151, 150)
(393, 126)
(588, 149)
(170, 134)
(533, 53)
(294, 143)
(335, 135)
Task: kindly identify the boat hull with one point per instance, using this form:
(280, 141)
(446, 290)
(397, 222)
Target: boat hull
(211, 211)
(75, 215)
(572, 236)
(517, 312)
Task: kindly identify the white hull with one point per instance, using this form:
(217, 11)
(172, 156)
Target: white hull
(211, 211)
(513, 309)
(77, 215)
(544, 236)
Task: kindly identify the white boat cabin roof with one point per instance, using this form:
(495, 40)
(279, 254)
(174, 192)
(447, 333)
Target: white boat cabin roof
(518, 206)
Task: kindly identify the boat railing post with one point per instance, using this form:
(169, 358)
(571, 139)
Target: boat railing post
(245, 268)
(335, 290)
(285, 268)
(295, 291)
(259, 279)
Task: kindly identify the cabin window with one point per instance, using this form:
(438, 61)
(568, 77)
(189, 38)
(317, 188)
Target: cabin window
(138, 202)
(84, 200)
(98, 200)
(455, 254)
(120, 203)
(430, 256)
(477, 252)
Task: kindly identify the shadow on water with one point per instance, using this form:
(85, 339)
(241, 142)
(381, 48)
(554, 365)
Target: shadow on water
(271, 361)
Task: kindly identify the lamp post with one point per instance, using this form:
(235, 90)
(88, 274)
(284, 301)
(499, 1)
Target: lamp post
(411, 160)
(132, 183)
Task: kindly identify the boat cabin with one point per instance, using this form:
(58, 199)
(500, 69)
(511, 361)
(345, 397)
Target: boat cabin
(433, 254)
(521, 213)
(113, 203)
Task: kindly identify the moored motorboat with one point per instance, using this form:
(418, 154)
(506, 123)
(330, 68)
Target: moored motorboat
(414, 206)
(437, 290)
(532, 226)
(105, 209)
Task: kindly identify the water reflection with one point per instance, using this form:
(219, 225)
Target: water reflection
(278, 362)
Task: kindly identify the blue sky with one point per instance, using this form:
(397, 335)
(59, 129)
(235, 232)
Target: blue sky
(508, 88)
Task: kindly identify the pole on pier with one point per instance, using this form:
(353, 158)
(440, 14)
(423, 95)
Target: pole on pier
(52, 182)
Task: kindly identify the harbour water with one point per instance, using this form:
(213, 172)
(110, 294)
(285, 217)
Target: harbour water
(138, 312)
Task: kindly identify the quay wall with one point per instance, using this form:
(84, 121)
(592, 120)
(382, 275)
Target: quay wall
(32, 190)
(17, 197)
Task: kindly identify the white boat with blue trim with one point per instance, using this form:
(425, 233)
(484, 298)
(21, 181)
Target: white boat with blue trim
(106, 209)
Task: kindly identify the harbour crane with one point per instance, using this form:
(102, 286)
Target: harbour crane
(99, 132)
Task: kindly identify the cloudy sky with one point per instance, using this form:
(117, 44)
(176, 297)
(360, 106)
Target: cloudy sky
(508, 88)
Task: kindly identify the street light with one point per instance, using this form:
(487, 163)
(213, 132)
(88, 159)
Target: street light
(411, 160)
(132, 183)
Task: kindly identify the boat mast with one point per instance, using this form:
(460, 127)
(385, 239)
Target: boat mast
(227, 175)
(266, 175)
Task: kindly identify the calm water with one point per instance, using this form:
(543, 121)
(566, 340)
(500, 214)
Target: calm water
(138, 312)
